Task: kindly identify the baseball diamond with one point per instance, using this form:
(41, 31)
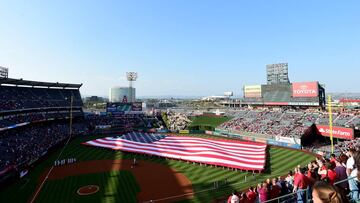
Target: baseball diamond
(153, 178)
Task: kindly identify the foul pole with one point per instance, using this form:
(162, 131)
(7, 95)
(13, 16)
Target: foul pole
(330, 124)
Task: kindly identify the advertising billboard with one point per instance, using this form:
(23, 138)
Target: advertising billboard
(276, 103)
(305, 89)
(252, 91)
(289, 140)
(304, 103)
(338, 132)
(136, 106)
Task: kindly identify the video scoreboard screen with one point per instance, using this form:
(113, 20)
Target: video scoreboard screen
(4, 72)
(120, 107)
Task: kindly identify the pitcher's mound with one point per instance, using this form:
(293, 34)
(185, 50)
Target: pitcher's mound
(88, 190)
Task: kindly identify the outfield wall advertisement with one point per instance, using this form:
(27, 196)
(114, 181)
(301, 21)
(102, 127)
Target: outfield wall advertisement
(277, 141)
(338, 132)
(305, 89)
(289, 140)
(184, 131)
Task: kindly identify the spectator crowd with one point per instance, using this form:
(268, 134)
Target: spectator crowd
(20, 146)
(176, 120)
(286, 123)
(326, 180)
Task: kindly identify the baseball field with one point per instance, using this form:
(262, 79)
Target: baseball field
(104, 175)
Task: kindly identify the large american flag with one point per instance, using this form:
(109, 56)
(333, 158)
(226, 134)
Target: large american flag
(228, 153)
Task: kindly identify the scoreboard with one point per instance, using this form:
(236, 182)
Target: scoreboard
(121, 107)
(4, 72)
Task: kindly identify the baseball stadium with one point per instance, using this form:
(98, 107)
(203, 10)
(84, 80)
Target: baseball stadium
(272, 145)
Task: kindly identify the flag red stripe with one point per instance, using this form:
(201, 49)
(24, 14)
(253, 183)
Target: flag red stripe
(182, 152)
(200, 159)
(247, 156)
(190, 144)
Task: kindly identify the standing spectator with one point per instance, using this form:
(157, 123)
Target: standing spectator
(350, 162)
(251, 195)
(354, 179)
(290, 181)
(301, 185)
(341, 175)
(333, 158)
(311, 174)
(243, 198)
(275, 190)
(263, 192)
(233, 198)
(282, 184)
(328, 174)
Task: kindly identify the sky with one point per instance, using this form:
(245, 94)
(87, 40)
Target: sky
(181, 47)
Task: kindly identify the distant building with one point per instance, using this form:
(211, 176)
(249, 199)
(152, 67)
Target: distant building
(120, 94)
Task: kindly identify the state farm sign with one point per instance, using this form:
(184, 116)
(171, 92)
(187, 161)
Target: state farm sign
(338, 132)
(305, 89)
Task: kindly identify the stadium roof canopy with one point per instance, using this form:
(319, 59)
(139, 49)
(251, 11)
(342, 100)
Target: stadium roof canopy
(21, 82)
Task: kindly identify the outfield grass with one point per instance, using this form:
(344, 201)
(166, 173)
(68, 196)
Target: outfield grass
(122, 187)
(206, 122)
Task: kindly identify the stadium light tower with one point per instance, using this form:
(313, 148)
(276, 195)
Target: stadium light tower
(131, 77)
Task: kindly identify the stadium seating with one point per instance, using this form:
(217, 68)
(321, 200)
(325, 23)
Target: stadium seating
(354, 122)
(33, 119)
(13, 119)
(20, 146)
(287, 123)
(176, 121)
